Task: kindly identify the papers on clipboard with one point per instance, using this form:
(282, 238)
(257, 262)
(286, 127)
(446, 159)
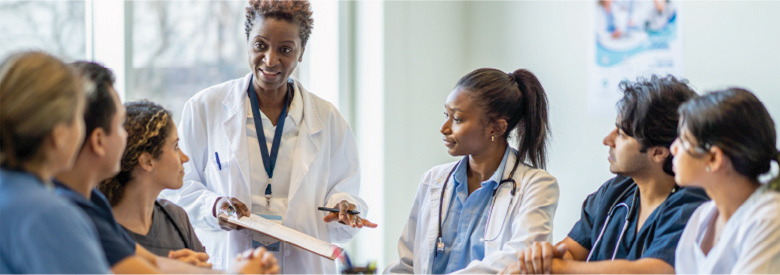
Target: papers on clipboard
(286, 234)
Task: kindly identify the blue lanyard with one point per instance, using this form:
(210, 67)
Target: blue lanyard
(269, 160)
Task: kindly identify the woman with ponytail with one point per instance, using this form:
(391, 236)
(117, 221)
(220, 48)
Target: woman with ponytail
(726, 141)
(473, 215)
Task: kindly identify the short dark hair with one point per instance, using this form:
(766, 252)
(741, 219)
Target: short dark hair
(648, 111)
(100, 108)
(738, 123)
(293, 11)
(519, 98)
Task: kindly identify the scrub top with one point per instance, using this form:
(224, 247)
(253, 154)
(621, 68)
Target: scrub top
(659, 234)
(117, 245)
(43, 233)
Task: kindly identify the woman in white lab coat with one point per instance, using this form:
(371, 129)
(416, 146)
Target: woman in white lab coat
(472, 216)
(267, 146)
(726, 142)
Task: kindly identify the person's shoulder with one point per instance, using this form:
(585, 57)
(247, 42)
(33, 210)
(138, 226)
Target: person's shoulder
(767, 204)
(216, 94)
(438, 173)
(171, 207)
(49, 209)
(325, 110)
(615, 185)
(693, 196)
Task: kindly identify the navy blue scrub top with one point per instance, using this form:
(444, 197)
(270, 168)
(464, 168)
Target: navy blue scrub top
(115, 241)
(659, 234)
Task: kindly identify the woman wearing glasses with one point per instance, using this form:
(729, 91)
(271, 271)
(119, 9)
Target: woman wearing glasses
(727, 140)
(473, 215)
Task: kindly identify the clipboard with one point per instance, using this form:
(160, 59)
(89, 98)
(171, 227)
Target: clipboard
(253, 222)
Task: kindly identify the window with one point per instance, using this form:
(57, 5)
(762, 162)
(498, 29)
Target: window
(56, 27)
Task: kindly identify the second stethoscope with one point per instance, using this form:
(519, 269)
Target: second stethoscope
(510, 179)
(630, 213)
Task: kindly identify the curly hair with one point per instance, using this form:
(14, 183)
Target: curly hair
(148, 125)
(293, 11)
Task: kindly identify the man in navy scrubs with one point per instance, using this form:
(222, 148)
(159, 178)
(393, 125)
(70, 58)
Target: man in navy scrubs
(632, 223)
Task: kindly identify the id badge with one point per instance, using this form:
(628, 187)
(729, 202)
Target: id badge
(274, 214)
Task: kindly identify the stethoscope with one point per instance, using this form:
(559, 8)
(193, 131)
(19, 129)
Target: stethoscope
(173, 222)
(617, 204)
(510, 179)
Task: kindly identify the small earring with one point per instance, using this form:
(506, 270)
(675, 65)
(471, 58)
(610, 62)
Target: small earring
(707, 168)
(492, 138)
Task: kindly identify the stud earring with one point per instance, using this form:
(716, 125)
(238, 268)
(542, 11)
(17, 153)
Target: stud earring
(707, 168)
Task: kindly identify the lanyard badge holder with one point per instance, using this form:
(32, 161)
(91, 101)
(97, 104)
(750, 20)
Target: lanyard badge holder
(271, 244)
(269, 159)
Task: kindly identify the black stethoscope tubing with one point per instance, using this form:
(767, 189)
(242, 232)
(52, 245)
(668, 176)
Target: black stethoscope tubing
(510, 179)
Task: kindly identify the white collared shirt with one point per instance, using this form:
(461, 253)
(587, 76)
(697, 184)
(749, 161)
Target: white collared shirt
(283, 168)
(749, 242)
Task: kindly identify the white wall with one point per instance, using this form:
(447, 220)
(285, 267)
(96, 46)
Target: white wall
(429, 45)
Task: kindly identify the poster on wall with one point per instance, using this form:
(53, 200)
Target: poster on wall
(632, 38)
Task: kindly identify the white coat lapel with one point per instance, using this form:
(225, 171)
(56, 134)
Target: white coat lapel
(309, 140)
(503, 206)
(435, 201)
(235, 130)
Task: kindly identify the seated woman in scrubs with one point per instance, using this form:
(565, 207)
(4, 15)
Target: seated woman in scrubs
(41, 128)
(152, 162)
(473, 215)
(726, 141)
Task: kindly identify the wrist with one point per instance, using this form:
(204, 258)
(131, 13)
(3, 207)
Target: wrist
(214, 207)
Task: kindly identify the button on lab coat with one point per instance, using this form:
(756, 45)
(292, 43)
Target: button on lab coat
(324, 171)
(515, 222)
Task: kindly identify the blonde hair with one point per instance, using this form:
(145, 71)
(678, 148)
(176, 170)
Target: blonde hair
(37, 92)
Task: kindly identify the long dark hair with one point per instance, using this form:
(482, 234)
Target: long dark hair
(519, 98)
(739, 124)
(148, 125)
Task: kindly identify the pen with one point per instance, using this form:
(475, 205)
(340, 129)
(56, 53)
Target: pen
(353, 212)
(219, 164)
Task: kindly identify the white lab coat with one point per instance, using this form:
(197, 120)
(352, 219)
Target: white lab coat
(529, 216)
(324, 171)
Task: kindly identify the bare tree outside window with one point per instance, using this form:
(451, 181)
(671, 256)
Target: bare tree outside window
(182, 47)
(56, 27)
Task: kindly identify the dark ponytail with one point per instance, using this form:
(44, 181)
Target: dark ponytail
(519, 98)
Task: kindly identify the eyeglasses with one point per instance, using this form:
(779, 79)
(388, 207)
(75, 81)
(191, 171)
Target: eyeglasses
(695, 151)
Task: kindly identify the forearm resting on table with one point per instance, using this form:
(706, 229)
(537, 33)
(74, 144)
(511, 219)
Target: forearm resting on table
(641, 266)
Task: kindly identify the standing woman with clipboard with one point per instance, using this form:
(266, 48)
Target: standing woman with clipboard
(473, 215)
(269, 147)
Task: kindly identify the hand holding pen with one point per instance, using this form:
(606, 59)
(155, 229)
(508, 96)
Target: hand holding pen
(345, 216)
(228, 206)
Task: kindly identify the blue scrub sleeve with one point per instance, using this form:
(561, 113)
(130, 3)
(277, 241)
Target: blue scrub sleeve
(583, 229)
(61, 241)
(671, 222)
